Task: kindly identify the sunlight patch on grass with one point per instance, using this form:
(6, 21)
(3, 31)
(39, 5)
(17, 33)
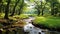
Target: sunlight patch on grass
(40, 19)
(21, 16)
(12, 18)
(2, 15)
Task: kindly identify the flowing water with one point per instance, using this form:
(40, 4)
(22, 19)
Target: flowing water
(31, 29)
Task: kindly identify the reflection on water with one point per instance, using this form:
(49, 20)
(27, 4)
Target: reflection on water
(34, 30)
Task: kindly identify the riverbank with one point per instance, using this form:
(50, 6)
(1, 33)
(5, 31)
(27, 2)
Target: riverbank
(50, 23)
(12, 25)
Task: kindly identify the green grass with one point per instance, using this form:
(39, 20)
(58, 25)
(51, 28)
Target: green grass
(21, 16)
(50, 22)
(15, 17)
(2, 15)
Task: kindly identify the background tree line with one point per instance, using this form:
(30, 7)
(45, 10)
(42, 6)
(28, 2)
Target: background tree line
(12, 7)
(52, 6)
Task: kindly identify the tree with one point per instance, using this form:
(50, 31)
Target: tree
(21, 7)
(53, 7)
(14, 7)
(0, 5)
(7, 9)
(38, 7)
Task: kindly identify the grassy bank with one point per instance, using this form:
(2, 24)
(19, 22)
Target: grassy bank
(49, 22)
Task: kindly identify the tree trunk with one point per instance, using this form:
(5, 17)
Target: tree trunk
(38, 12)
(21, 7)
(42, 12)
(59, 14)
(55, 11)
(7, 9)
(0, 5)
(52, 9)
(41, 9)
(14, 8)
